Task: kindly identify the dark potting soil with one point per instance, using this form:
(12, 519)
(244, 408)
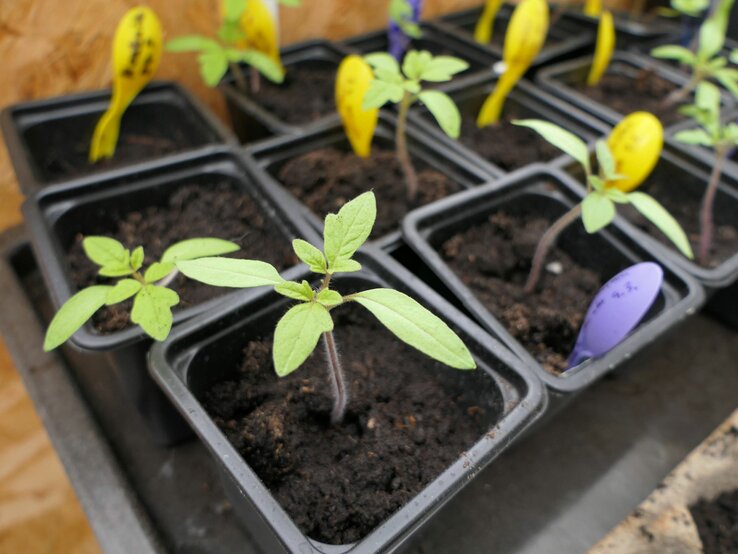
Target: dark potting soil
(306, 95)
(401, 430)
(717, 523)
(626, 94)
(493, 259)
(149, 131)
(191, 211)
(326, 179)
(507, 146)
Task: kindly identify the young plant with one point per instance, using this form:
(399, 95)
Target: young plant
(217, 55)
(706, 63)
(297, 333)
(403, 25)
(404, 88)
(610, 186)
(152, 300)
(722, 139)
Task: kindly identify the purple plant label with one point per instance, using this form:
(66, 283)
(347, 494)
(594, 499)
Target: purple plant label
(617, 308)
(398, 41)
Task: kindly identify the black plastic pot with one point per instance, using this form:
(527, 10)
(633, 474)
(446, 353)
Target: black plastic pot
(548, 191)
(55, 216)
(200, 353)
(162, 108)
(560, 79)
(629, 32)
(437, 42)
(253, 122)
(525, 101)
(566, 37)
(273, 154)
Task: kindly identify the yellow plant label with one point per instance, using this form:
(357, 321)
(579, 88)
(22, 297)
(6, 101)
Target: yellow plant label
(593, 8)
(524, 38)
(137, 47)
(603, 49)
(486, 22)
(636, 144)
(352, 82)
(260, 29)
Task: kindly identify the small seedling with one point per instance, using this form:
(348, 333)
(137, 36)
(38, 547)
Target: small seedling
(624, 161)
(152, 300)
(228, 50)
(403, 25)
(722, 139)
(297, 333)
(706, 63)
(404, 87)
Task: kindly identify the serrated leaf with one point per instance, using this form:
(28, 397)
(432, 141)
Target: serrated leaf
(123, 290)
(674, 52)
(729, 79)
(213, 65)
(73, 314)
(347, 230)
(191, 43)
(298, 291)
(415, 63)
(605, 159)
(329, 298)
(694, 136)
(657, 214)
(310, 255)
(157, 271)
(137, 258)
(230, 272)
(444, 111)
(379, 93)
(346, 266)
(443, 68)
(192, 249)
(416, 326)
(560, 138)
(297, 334)
(597, 212)
(384, 61)
(152, 310)
(106, 252)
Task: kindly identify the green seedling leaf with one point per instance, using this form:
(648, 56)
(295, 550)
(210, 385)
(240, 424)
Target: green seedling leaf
(674, 52)
(123, 290)
(415, 63)
(152, 310)
(297, 335)
(561, 138)
(347, 230)
(728, 77)
(694, 136)
(657, 214)
(605, 159)
(213, 65)
(443, 68)
(382, 60)
(73, 314)
(597, 183)
(345, 266)
(616, 195)
(106, 252)
(157, 271)
(734, 56)
(229, 272)
(416, 326)
(290, 3)
(191, 43)
(381, 92)
(299, 291)
(597, 211)
(137, 258)
(444, 111)
(259, 61)
(234, 9)
(329, 298)
(310, 255)
(192, 249)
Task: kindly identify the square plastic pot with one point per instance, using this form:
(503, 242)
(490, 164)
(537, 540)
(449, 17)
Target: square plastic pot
(163, 108)
(55, 216)
(525, 100)
(251, 121)
(566, 37)
(200, 353)
(559, 79)
(549, 192)
(424, 149)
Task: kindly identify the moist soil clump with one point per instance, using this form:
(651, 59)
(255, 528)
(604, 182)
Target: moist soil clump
(326, 179)
(192, 211)
(402, 428)
(625, 94)
(717, 523)
(493, 260)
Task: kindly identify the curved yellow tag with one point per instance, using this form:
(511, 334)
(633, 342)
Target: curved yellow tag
(352, 82)
(137, 47)
(603, 49)
(486, 22)
(524, 38)
(260, 29)
(593, 8)
(636, 144)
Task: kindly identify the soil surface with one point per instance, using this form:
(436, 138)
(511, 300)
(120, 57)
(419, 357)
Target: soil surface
(326, 179)
(402, 428)
(306, 95)
(192, 211)
(626, 95)
(147, 132)
(493, 258)
(717, 523)
(507, 146)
